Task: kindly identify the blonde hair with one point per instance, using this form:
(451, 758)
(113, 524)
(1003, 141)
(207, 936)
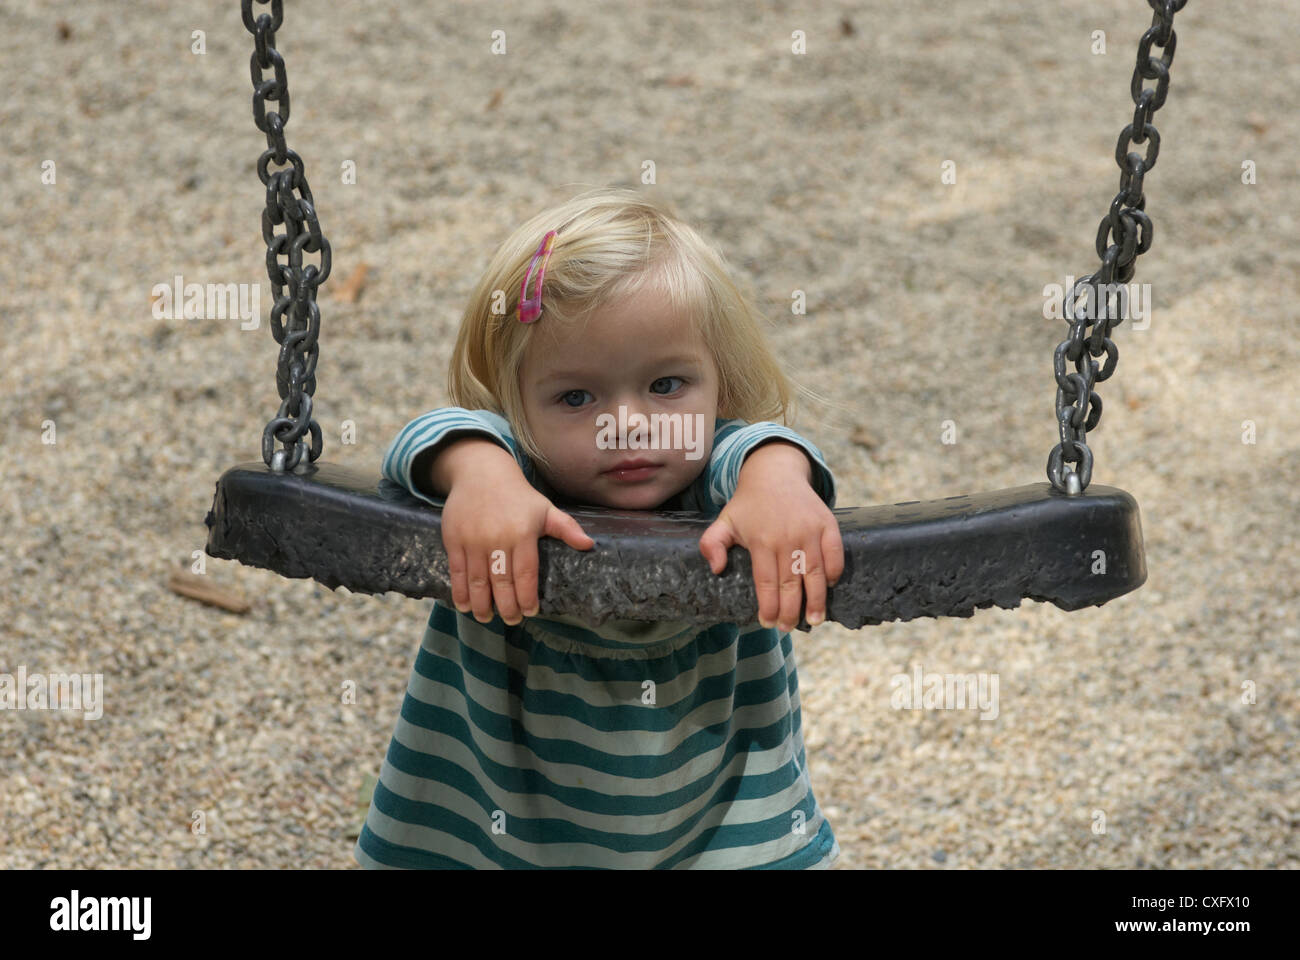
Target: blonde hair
(610, 243)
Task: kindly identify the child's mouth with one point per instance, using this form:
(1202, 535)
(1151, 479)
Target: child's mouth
(632, 474)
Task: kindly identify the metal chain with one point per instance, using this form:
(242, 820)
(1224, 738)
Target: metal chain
(295, 375)
(1132, 232)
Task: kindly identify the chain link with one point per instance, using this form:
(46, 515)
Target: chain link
(295, 375)
(1129, 231)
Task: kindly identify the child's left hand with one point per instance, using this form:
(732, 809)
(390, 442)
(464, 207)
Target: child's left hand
(792, 537)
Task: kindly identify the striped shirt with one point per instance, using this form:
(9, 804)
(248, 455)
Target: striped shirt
(631, 744)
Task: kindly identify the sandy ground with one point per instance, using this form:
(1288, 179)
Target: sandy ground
(1156, 731)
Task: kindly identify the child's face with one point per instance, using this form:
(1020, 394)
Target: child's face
(637, 354)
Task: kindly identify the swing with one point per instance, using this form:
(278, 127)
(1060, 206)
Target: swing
(1066, 542)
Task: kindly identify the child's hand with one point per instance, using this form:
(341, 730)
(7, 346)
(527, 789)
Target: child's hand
(792, 537)
(508, 515)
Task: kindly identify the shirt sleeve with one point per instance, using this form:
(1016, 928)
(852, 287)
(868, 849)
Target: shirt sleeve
(431, 428)
(734, 439)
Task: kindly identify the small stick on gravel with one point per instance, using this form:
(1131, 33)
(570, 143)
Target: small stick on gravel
(354, 284)
(203, 589)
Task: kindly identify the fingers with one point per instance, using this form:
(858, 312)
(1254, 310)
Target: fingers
(826, 565)
(561, 526)
(503, 586)
(792, 580)
(833, 553)
(714, 543)
(480, 585)
(481, 581)
(505, 579)
(785, 571)
(525, 563)
(766, 585)
(492, 580)
(814, 582)
(804, 574)
(456, 566)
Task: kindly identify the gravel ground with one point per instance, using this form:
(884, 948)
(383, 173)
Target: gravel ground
(817, 172)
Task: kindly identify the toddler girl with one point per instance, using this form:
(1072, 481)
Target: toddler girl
(527, 741)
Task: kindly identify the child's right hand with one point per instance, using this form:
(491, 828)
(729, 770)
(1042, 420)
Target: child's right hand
(506, 514)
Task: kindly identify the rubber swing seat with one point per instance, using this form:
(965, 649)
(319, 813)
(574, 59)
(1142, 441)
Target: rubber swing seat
(936, 558)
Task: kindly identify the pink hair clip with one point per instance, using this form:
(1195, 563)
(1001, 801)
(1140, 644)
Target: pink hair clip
(531, 308)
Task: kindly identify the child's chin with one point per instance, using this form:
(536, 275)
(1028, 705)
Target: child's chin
(644, 499)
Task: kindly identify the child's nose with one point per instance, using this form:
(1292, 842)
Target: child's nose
(629, 418)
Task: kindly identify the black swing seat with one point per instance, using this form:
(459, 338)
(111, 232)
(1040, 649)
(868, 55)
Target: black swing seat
(935, 558)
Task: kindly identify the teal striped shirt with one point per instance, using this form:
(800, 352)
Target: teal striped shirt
(631, 745)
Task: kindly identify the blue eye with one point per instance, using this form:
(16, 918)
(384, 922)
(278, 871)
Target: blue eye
(661, 379)
(564, 397)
